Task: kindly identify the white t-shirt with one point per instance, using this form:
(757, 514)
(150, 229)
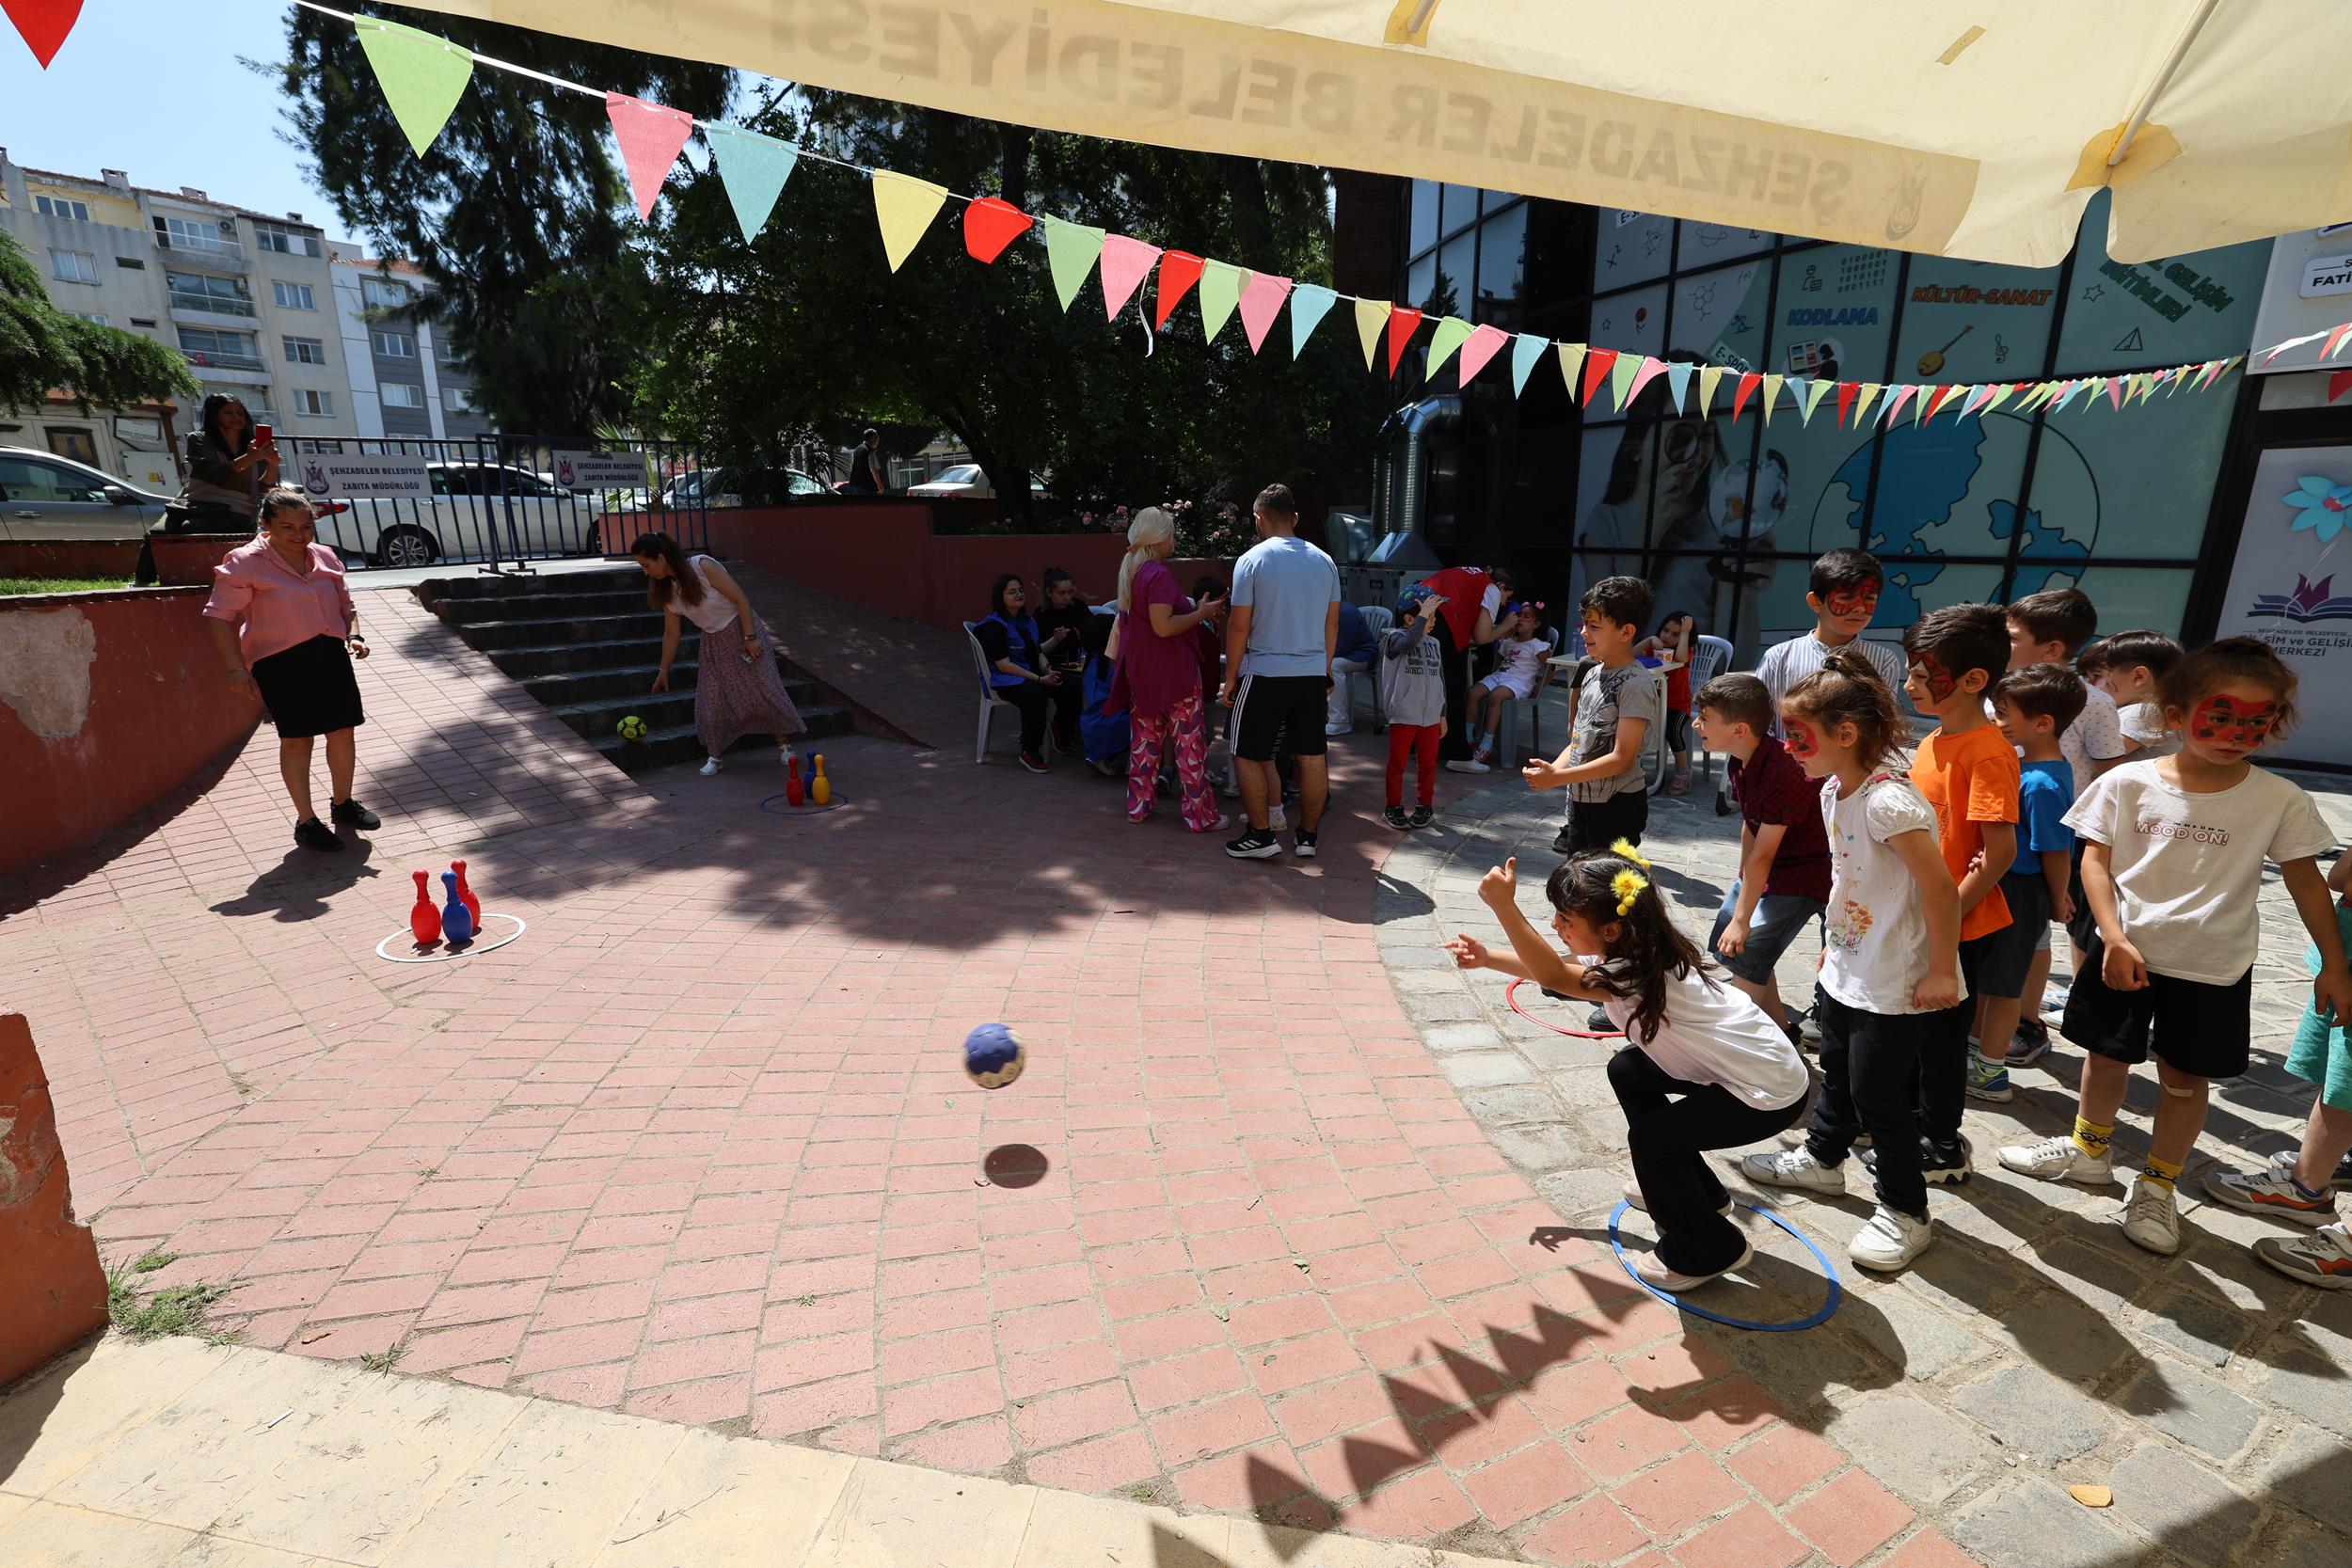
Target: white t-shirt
(716, 612)
(1521, 661)
(1785, 664)
(1875, 951)
(2187, 868)
(2095, 736)
(1714, 1032)
(2144, 722)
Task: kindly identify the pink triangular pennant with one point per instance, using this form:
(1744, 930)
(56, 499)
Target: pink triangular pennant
(2335, 341)
(1652, 367)
(1894, 403)
(2114, 385)
(1977, 399)
(1482, 344)
(1261, 302)
(651, 136)
(1125, 264)
(1747, 390)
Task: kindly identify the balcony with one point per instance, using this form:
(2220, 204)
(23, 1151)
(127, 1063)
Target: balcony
(211, 305)
(203, 248)
(211, 359)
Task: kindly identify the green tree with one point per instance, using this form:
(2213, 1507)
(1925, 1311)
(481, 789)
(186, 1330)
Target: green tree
(43, 348)
(517, 213)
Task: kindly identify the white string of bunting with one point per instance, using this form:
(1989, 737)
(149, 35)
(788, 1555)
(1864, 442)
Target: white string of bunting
(422, 77)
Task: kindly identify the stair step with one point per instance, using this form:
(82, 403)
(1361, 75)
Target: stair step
(677, 743)
(493, 635)
(432, 591)
(630, 683)
(668, 709)
(541, 606)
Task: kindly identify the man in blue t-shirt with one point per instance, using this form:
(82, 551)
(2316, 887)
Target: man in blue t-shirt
(1358, 648)
(1278, 647)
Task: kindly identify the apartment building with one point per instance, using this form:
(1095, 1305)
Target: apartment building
(401, 379)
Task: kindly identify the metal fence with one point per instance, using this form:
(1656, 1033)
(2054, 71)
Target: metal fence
(497, 502)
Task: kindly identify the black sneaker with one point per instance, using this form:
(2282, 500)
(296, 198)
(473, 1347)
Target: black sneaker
(351, 813)
(1258, 844)
(311, 833)
(1394, 816)
(1945, 1167)
(2341, 1180)
(1034, 763)
(1423, 816)
(1600, 1022)
(1303, 845)
(1562, 842)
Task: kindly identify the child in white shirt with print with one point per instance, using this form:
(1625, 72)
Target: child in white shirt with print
(1519, 671)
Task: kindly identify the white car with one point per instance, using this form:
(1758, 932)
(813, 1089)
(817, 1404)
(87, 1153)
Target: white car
(478, 511)
(968, 479)
(44, 496)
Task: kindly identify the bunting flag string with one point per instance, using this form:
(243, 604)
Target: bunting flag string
(423, 77)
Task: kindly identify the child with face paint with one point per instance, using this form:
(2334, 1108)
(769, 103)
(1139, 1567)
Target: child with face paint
(1890, 963)
(1844, 596)
(1968, 773)
(2174, 851)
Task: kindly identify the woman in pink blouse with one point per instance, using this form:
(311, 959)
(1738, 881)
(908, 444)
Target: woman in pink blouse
(285, 625)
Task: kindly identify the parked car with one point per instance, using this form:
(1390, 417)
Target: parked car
(44, 496)
(736, 487)
(968, 479)
(479, 511)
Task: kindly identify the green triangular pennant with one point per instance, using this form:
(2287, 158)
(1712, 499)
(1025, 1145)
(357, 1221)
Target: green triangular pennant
(422, 77)
(1220, 292)
(1071, 250)
(1621, 377)
(1452, 333)
(753, 168)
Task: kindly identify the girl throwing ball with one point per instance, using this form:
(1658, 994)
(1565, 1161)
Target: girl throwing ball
(1705, 1070)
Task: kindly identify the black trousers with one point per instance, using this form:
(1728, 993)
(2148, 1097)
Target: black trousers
(1943, 1054)
(1870, 1084)
(1669, 1127)
(1066, 702)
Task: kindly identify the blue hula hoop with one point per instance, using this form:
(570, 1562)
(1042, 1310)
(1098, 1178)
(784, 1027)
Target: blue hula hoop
(775, 805)
(1836, 1291)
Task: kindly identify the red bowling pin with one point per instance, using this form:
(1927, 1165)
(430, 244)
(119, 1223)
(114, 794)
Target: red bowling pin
(425, 921)
(794, 793)
(464, 894)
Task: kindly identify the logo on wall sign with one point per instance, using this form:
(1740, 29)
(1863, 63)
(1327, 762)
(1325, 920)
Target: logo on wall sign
(2320, 505)
(2311, 601)
(314, 477)
(563, 470)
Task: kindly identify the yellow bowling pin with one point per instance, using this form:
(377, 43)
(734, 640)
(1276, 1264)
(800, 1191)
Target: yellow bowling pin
(822, 791)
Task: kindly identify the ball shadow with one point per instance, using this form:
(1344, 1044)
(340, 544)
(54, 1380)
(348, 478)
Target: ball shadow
(1016, 1166)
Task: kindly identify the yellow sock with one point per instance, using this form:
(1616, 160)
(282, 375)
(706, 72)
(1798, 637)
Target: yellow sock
(2162, 1170)
(2091, 1138)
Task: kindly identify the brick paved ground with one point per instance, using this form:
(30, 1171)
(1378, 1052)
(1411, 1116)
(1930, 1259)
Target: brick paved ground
(697, 1147)
(2032, 1346)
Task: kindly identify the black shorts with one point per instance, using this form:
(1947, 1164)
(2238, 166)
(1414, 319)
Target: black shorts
(309, 689)
(2085, 926)
(2203, 1030)
(1597, 824)
(2008, 952)
(1265, 707)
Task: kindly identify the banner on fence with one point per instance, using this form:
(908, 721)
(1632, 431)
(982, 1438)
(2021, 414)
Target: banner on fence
(601, 471)
(390, 478)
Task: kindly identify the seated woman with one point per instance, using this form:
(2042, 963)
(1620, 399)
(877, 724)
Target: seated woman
(1020, 673)
(1061, 621)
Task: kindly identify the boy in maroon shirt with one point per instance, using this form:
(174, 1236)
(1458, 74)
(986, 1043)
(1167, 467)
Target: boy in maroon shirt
(1784, 846)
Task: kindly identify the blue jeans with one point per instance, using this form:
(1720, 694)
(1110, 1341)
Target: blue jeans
(1779, 916)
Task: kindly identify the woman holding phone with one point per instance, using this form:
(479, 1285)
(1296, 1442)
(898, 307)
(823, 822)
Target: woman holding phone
(231, 461)
(1159, 674)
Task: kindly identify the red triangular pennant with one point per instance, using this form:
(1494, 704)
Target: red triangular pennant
(1597, 365)
(991, 224)
(1943, 395)
(1403, 324)
(2337, 385)
(43, 23)
(1845, 390)
(651, 136)
(1179, 271)
(1748, 384)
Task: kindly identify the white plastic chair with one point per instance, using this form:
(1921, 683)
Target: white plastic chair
(1382, 621)
(1709, 657)
(1533, 704)
(991, 703)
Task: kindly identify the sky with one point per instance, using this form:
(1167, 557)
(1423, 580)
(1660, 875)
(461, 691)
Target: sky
(155, 89)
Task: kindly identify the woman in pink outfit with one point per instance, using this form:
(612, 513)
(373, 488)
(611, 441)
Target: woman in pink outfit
(1159, 674)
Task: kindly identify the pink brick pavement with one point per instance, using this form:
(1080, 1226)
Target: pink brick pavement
(699, 1144)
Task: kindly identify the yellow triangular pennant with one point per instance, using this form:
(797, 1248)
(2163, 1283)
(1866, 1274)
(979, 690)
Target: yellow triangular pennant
(904, 206)
(1571, 362)
(1710, 377)
(1371, 319)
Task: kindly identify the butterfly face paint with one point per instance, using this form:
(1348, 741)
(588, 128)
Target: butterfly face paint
(2234, 724)
(1805, 742)
(1849, 602)
(1941, 682)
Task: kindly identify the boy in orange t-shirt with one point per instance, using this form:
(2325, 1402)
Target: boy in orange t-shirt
(1969, 774)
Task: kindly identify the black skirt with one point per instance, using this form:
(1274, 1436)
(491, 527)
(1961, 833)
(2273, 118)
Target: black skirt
(309, 689)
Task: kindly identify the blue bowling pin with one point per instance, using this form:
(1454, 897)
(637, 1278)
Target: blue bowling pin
(456, 920)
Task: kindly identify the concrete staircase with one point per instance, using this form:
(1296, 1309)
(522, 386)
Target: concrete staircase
(585, 644)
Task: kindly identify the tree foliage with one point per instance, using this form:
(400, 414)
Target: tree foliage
(41, 347)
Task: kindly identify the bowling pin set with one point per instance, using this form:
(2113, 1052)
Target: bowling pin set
(817, 791)
(459, 919)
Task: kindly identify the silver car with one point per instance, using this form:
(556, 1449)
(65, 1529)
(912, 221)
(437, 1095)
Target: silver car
(478, 511)
(44, 496)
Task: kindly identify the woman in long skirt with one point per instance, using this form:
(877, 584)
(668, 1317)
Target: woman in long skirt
(737, 688)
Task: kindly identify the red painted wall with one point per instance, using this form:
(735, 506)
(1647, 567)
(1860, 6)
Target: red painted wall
(68, 558)
(57, 1291)
(107, 703)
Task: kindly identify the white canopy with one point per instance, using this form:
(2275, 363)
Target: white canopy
(1977, 131)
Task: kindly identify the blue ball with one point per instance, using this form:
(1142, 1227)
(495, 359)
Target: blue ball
(993, 1057)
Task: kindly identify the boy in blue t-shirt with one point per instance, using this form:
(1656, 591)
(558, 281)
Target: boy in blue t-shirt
(2033, 707)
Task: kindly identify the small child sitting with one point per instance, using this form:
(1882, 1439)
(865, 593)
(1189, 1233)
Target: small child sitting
(1412, 699)
(1677, 636)
(1519, 671)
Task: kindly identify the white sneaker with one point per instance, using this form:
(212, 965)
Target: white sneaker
(784, 758)
(2054, 1000)
(1275, 820)
(2059, 1159)
(1633, 1197)
(1890, 1240)
(710, 766)
(1794, 1167)
(1339, 729)
(2324, 1257)
(1651, 1272)
(2152, 1218)
(1471, 765)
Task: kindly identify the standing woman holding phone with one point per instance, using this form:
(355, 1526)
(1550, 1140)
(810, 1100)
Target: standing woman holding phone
(231, 461)
(1159, 673)
(282, 618)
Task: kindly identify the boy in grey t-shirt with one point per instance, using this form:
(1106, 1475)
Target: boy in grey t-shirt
(1412, 699)
(1616, 710)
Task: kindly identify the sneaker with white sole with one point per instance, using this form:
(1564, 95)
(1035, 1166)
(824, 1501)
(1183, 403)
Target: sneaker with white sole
(1652, 1273)
(1423, 816)
(2271, 1192)
(2059, 1159)
(2029, 1044)
(2054, 1000)
(1793, 1168)
(2152, 1217)
(2324, 1257)
(1394, 816)
(1989, 1081)
(1633, 1197)
(1946, 1167)
(1303, 843)
(1254, 844)
(1890, 1238)
(1469, 765)
(710, 766)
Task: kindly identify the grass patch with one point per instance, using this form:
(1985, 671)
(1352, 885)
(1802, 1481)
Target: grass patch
(383, 1360)
(11, 586)
(173, 1309)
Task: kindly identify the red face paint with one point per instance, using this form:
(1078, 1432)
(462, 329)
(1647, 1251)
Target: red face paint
(1941, 682)
(1852, 601)
(1805, 742)
(2231, 721)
